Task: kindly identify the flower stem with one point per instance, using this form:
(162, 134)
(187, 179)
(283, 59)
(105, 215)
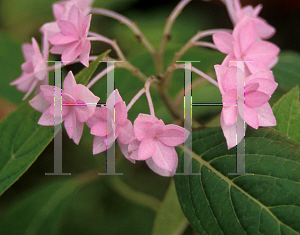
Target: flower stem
(130, 24)
(231, 10)
(206, 44)
(147, 86)
(99, 75)
(135, 98)
(98, 37)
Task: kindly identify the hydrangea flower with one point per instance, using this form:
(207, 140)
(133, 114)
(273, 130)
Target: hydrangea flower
(243, 45)
(262, 28)
(34, 69)
(155, 143)
(80, 104)
(102, 124)
(257, 112)
(72, 40)
(61, 11)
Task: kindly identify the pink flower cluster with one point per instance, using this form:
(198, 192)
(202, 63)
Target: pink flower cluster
(68, 35)
(259, 56)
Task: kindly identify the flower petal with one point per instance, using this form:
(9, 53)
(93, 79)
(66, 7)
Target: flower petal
(265, 115)
(85, 53)
(164, 156)
(99, 129)
(126, 134)
(61, 40)
(161, 171)
(39, 103)
(69, 84)
(133, 148)
(70, 123)
(220, 73)
(68, 29)
(71, 52)
(256, 98)
(146, 149)
(247, 35)
(124, 150)
(99, 144)
(223, 42)
(250, 116)
(120, 113)
(173, 135)
(78, 132)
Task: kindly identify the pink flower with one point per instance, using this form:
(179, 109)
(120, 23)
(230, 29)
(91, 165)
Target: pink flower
(34, 69)
(72, 40)
(75, 111)
(61, 11)
(257, 112)
(155, 143)
(262, 28)
(102, 125)
(243, 45)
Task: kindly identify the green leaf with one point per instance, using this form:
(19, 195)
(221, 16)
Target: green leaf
(286, 72)
(10, 69)
(22, 141)
(264, 203)
(47, 206)
(84, 75)
(287, 113)
(169, 219)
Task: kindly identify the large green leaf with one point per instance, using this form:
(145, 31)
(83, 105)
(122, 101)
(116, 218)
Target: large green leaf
(41, 211)
(23, 140)
(264, 203)
(287, 113)
(286, 72)
(169, 219)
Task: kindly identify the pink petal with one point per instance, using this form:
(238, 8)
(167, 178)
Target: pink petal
(263, 29)
(262, 52)
(265, 115)
(251, 87)
(48, 92)
(28, 51)
(247, 35)
(99, 129)
(86, 25)
(223, 42)
(266, 84)
(85, 53)
(27, 67)
(69, 83)
(120, 113)
(230, 132)
(57, 50)
(50, 29)
(126, 134)
(31, 88)
(78, 132)
(74, 15)
(70, 123)
(71, 52)
(59, 39)
(220, 73)
(256, 66)
(256, 98)
(97, 117)
(229, 115)
(161, 171)
(133, 148)
(99, 144)
(250, 116)
(84, 94)
(230, 78)
(164, 156)
(68, 29)
(82, 111)
(46, 119)
(39, 103)
(173, 135)
(145, 118)
(124, 150)
(114, 98)
(146, 149)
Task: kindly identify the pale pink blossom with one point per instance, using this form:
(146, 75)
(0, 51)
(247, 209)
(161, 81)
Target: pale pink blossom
(105, 120)
(257, 112)
(34, 69)
(72, 40)
(155, 143)
(61, 11)
(79, 104)
(243, 15)
(244, 45)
